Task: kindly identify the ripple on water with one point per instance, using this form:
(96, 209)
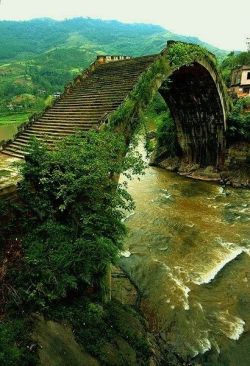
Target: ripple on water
(189, 258)
(217, 267)
(230, 325)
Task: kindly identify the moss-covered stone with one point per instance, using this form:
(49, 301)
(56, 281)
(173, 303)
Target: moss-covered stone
(58, 347)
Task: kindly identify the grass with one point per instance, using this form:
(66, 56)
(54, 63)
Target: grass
(4, 173)
(13, 118)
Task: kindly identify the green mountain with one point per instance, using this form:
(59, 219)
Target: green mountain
(22, 40)
(38, 57)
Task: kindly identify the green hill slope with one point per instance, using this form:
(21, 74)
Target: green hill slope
(38, 57)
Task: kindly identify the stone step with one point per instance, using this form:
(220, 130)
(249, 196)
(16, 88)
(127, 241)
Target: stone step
(63, 124)
(77, 112)
(53, 129)
(73, 117)
(19, 143)
(13, 152)
(122, 69)
(50, 137)
(98, 96)
(86, 104)
(69, 121)
(101, 74)
(85, 107)
(47, 127)
(119, 80)
(81, 103)
(97, 92)
(101, 88)
(42, 138)
(106, 84)
(23, 138)
(26, 136)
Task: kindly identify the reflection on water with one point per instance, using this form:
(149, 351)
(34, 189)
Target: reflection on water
(189, 245)
(8, 131)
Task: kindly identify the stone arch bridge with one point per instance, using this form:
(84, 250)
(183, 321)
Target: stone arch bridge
(114, 90)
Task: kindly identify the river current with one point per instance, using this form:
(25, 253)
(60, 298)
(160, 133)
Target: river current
(188, 250)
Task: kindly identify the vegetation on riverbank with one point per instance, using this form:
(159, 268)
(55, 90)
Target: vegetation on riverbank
(67, 225)
(239, 121)
(232, 61)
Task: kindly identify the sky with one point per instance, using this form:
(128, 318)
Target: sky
(223, 23)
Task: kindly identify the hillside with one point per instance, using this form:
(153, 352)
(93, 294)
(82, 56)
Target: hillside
(26, 39)
(38, 57)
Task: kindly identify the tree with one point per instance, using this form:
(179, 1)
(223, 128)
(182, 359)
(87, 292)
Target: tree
(72, 224)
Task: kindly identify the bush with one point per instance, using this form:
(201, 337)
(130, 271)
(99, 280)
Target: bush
(167, 137)
(15, 342)
(73, 215)
(239, 122)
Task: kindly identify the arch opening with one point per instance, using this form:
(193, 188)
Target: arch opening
(194, 102)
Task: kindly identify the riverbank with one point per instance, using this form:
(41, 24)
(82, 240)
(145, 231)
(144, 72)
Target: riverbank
(234, 173)
(162, 352)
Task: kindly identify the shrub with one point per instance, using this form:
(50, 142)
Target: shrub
(239, 122)
(73, 218)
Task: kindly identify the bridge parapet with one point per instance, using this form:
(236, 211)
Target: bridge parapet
(103, 59)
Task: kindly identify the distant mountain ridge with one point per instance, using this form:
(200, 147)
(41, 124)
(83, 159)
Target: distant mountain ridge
(25, 39)
(38, 57)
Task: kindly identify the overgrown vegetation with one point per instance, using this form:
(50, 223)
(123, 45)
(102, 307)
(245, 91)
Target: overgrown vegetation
(39, 57)
(239, 117)
(180, 54)
(125, 118)
(74, 210)
(232, 61)
(239, 121)
(100, 327)
(68, 220)
(15, 342)
(158, 118)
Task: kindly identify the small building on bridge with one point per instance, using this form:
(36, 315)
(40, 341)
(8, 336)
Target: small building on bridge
(240, 82)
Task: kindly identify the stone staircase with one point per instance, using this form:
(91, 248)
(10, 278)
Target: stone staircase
(85, 105)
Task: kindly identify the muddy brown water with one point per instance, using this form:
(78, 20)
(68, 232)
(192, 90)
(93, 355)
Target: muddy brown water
(188, 252)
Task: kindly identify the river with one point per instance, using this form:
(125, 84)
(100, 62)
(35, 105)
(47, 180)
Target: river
(188, 250)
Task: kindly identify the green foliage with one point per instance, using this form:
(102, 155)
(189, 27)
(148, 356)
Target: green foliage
(13, 118)
(15, 342)
(167, 136)
(232, 61)
(239, 121)
(37, 36)
(180, 54)
(99, 326)
(41, 56)
(137, 102)
(74, 210)
(68, 218)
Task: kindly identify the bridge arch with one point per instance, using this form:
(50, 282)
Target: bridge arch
(115, 90)
(196, 96)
